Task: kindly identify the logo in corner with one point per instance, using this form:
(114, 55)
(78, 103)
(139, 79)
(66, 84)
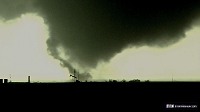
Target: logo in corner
(169, 105)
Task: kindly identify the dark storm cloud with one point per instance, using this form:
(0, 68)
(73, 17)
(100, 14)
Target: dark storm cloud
(95, 30)
(10, 9)
(91, 31)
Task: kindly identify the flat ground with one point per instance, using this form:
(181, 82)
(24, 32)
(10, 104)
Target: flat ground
(128, 94)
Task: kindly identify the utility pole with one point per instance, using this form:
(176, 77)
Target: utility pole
(74, 75)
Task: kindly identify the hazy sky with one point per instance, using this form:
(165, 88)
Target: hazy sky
(102, 39)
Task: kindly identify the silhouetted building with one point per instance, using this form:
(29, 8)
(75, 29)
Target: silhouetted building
(1, 81)
(5, 80)
(29, 79)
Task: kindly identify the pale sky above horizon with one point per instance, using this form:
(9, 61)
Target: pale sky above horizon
(24, 51)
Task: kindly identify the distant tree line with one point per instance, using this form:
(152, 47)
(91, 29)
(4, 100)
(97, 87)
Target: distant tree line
(133, 80)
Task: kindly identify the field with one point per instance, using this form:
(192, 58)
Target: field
(130, 94)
